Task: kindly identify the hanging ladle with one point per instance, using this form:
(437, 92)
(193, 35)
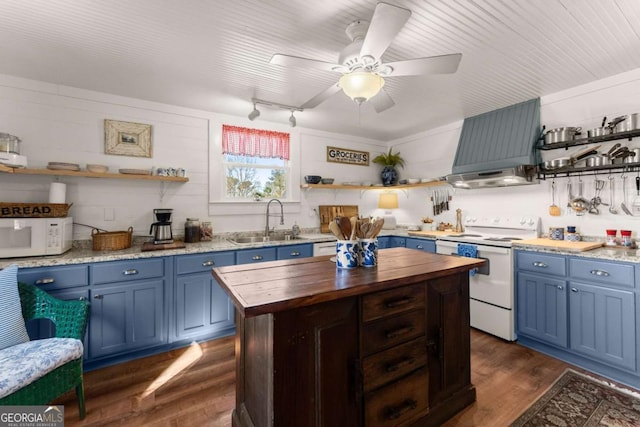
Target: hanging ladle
(612, 208)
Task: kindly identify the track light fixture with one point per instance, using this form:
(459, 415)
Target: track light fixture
(256, 113)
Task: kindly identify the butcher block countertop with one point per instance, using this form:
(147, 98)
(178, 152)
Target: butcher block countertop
(276, 286)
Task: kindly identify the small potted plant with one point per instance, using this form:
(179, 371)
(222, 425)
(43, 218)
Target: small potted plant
(390, 161)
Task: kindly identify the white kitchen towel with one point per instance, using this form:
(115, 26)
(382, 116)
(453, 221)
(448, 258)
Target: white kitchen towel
(469, 251)
(58, 192)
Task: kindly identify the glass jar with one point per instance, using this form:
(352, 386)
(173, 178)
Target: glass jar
(206, 231)
(625, 240)
(612, 240)
(9, 143)
(192, 230)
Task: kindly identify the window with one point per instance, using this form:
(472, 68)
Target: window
(255, 163)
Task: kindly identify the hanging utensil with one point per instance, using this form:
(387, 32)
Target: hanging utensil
(554, 210)
(569, 193)
(623, 205)
(635, 206)
(612, 208)
(580, 205)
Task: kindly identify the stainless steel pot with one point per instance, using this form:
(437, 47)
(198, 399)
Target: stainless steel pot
(601, 131)
(561, 135)
(628, 123)
(634, 156)
(599, 160)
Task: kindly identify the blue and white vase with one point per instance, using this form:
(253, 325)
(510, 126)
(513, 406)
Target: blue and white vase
(347, 253)
(368, 252)
(389, 176)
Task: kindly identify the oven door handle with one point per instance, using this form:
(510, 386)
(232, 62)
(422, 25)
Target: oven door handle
(480, 247)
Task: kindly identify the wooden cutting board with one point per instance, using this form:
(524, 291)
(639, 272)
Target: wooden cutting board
(433, 233)
(565, 245)
(150, 246)
(328, 213)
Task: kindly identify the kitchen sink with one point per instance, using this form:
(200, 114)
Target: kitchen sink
(261, 239)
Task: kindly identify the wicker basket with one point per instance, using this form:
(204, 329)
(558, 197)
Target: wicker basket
(34, 210)
(111, 240)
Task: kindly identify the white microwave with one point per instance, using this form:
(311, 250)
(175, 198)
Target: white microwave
(25, 237)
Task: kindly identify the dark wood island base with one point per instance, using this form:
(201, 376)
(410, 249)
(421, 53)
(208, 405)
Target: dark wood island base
(383, 346)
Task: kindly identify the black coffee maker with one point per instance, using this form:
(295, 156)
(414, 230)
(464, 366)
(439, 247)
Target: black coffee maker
(161, 229)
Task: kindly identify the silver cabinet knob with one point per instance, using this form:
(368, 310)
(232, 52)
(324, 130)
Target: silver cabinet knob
(45, 281)
(208, 263)
(130, 272)
(256, 257)
(599, 273)
(98, 296)
(574, 290)
(540, 264)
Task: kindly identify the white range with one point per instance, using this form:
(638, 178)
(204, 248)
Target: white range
(491, 288)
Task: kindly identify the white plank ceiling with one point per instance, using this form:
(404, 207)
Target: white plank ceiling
(214, 54)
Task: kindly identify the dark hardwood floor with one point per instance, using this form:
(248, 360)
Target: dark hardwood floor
(195, 386)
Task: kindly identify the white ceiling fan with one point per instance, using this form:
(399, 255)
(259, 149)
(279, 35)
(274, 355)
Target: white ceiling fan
(360, 62)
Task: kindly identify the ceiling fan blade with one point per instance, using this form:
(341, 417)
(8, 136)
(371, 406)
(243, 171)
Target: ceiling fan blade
(386, 23)
(321, 97)
(296, 61)
(443, 64)
(382, 101)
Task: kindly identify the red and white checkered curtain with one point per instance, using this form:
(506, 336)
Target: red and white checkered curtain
(241, 141)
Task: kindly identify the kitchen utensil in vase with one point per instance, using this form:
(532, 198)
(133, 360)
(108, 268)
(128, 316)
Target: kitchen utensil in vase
(554, 210)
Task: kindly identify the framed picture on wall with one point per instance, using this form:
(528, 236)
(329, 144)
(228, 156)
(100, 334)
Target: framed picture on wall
(127, 139)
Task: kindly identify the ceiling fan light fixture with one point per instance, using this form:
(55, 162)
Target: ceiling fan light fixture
(361, 86)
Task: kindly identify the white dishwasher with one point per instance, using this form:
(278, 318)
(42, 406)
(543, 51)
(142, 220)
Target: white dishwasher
(324, 248)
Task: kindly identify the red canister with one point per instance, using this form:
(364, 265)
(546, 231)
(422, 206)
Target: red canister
(611, 238)
(626, 238)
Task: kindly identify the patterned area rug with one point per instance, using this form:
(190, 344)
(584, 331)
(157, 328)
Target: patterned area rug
(578, 400)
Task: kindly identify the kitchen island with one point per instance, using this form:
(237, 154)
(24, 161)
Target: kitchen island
(383, 346)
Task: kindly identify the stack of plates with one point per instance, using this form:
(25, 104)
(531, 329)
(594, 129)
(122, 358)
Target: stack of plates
(63, 166)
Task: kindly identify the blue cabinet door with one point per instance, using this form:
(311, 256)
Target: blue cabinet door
(127, 316)
(202, 307)
(603, 324)
(421, 244)
(384, 242)
(541, 308)
(397, 242)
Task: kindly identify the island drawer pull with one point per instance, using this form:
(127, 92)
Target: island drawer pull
(394, 366)
(256, 257)
(599, 273)
(399, 331)
(540, 264)
(397, 412)
(397, 302)
(208, 263)
(295, 253)
(45, 281)
(130, 272)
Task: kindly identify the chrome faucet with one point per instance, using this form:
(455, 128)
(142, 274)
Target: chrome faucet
(266, 229)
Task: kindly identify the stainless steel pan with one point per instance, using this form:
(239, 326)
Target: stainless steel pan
(561, 135)
(627, 123)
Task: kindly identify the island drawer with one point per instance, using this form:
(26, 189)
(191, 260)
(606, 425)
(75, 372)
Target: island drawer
(542, 263)
(389, 365)
(124, 271)
(199, 263)
(386, 303)
(392, 331)
(51, 278)
(611, 273)
(398, 403)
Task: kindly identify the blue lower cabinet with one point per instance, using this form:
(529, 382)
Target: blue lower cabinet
(603, 324)
(250, 256)
(397, 242)
(384, 242)
(126, 317)
(294, 251)
(202, 308)
(542, 308)
(421, 244)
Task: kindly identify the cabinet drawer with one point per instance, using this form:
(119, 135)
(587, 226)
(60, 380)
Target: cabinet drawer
(256, 255)
(295, 251)
(391, 331)
(385, 303)
(542, 263)
(394, 363)
(203, 262)
(399, 403)
(124, 271)
(602, 271)
(421, 244)
(51, 278)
